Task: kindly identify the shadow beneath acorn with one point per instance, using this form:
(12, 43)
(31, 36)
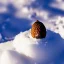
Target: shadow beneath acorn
(54, 48)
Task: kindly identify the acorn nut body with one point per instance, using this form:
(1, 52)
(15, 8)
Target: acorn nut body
(38, 30)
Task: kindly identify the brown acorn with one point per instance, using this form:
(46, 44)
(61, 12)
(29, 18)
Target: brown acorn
(38, 30)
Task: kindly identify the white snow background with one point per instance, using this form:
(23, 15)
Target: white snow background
(19, 15)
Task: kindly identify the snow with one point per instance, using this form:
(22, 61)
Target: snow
(25, 43)
(23, 47)
(40, 50)
(58, 4)
(0, 36)
(12, 57)
(26, 11)
(6, 46)
(58, 26)
(27, 50)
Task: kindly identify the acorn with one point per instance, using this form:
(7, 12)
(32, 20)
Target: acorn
(38, 30)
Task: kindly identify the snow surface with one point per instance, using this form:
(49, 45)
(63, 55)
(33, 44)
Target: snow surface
(59, 26)
(30, 10)
(42, 51)
(5, 46)
(37, 51)
(58, 4)
(12, 57)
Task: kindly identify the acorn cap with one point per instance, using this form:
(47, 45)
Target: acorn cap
(38, 30)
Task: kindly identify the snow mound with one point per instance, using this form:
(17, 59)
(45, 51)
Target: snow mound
(6, 46)
(12, 57)
(24, 43)
(40, 50)
(27, 50)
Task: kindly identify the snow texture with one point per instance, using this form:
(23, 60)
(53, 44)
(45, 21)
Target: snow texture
(24, 9)
(24, 49)
(27, 50)
(12, 57)
(58, 4)
(40, 50)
